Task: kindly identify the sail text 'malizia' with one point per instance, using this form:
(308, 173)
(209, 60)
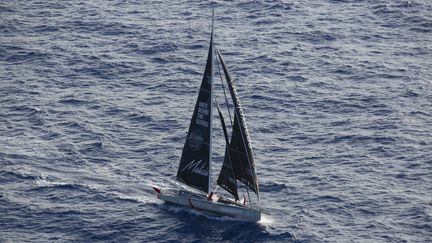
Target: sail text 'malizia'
(196, 166)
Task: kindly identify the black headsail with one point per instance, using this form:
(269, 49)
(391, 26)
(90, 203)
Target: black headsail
(195, 162)
(240, 149)
(226, 177)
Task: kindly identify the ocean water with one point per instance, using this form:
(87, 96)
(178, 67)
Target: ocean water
(96, 97)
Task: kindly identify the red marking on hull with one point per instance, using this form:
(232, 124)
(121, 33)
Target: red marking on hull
(156, 189)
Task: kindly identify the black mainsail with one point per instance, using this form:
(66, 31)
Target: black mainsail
(195, 162)
(196, 159)
(239, 150)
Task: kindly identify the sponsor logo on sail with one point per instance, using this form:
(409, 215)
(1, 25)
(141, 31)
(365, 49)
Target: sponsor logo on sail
(203, 114)
(195, 139)
(242, 118)
(196, 167)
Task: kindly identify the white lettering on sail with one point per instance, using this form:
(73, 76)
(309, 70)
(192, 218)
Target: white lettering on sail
(202, 114)
(197, 167)
(242, 117)
(203, 111)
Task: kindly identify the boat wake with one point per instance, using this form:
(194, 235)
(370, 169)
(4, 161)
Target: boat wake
(266, 219)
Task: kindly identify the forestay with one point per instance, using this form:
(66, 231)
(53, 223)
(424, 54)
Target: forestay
(240, 149)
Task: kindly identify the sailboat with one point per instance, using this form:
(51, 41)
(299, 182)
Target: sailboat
(196, 160)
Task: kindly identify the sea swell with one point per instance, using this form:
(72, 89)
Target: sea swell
(95, 99)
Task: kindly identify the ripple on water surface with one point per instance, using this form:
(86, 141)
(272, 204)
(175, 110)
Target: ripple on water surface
(95, 99)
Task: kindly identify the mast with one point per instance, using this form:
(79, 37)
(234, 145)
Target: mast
(211, 98)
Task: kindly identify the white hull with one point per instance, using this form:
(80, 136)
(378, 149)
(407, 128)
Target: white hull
(202, 204)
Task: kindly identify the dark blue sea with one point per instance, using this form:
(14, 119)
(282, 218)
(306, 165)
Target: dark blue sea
(96, 98)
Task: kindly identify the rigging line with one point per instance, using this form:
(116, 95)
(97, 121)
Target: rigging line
(221, 116)
(223, 87)
(227, 151)
(237, 115)
(250, 202)
(211, 56)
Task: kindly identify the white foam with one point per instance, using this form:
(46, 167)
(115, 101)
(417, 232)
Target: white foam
(266, 219)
